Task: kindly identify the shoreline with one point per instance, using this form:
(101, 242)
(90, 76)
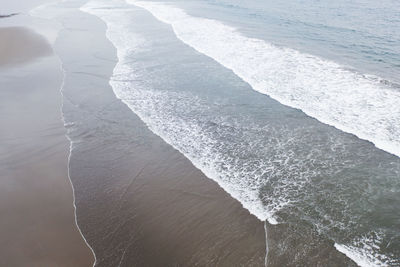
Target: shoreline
(328, 253)
(148, 165)
(70, 181)
(38, 6)
(39, 228)
(137, 200)
(150, 149)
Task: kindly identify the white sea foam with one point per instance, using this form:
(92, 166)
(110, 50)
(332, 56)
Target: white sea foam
(360, 258)
(363, 251)
(157, 110)
(352, 102)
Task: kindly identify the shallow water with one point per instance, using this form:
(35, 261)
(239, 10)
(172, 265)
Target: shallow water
(194, 82)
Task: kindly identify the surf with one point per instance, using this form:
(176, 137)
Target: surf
(363, 105)
(206, 139)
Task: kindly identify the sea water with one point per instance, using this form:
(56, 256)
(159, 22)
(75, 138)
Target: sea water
(292, 108)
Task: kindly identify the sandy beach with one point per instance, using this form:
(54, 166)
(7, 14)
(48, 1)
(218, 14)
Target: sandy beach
(148, 205)
(152, 208)
(122, 143)
(36, 205)
(139, 201)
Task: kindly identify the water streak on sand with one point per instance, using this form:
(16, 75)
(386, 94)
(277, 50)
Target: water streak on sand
(41, 12)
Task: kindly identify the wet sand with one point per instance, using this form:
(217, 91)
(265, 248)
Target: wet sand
(21, 45)
(37, 226)
(139, 201)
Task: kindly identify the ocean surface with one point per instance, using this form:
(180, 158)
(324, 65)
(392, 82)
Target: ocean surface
(292, 108)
